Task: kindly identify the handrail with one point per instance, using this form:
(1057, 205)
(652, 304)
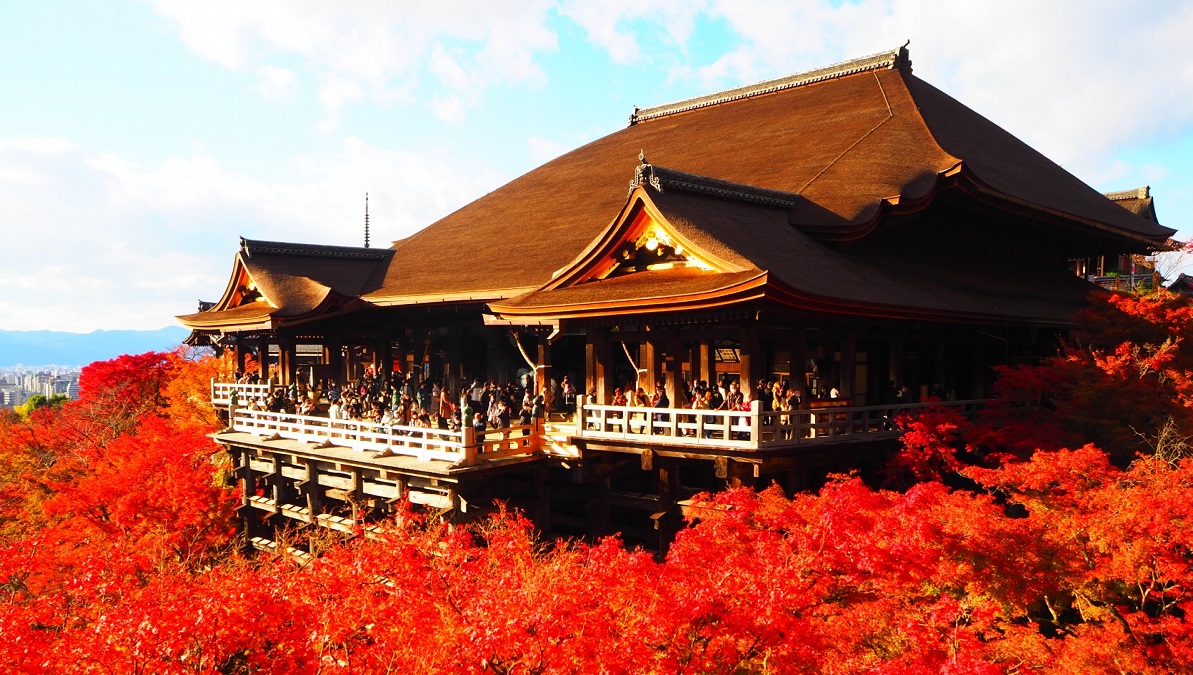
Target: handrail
(221, 392)
(752, 429)
(463, 448)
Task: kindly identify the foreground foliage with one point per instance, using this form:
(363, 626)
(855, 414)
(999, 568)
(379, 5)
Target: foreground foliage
(117, 551)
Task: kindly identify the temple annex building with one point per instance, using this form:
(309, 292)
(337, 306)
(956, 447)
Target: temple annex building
(850, 231)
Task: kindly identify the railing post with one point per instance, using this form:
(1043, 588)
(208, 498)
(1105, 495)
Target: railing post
(581, 424)
(756, 423)
(468, 439)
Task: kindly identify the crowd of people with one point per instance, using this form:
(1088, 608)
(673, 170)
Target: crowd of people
(405, 399)
(408, 400)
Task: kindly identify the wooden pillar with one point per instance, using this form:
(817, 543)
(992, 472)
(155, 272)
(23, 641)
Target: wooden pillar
(940, 374)
(542, 373)
(263, 359)
(668, 518)
(387, 358)
(708, 363)
(751, 361)
(455, 357)
(647, 365)
(600, 519)
(799, 363)
(542, 502)
(401, 353)
(741, 474)
(335, 359)
(240, 354)
(495, 367)
(848, 364)
(598, 352)
(249, 519)
(311, 490)
(896, 371)
(673, 368)
(285, 362)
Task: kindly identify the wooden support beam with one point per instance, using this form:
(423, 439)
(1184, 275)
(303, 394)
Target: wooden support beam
(673, 368)
(647, 365)
(263, 359)
(668, 522)
(751, 360)
(848, 364)
(602, 353)
(708, 363)
(799, 363)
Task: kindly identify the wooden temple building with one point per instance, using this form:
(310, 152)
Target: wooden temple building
(845, 229)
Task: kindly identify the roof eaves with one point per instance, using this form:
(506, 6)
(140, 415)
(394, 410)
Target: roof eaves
(1138, 193)
(705, 185)
(251, 247)
(889, 59)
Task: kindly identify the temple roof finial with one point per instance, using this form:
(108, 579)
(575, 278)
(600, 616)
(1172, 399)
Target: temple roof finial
(366, 220)
(644, 173)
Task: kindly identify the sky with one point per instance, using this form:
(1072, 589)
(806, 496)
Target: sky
(140, 139)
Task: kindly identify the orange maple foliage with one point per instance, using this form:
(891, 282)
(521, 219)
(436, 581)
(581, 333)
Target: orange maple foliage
(117, 552)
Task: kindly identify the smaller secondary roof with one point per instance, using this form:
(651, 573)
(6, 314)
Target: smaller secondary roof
(278, 282)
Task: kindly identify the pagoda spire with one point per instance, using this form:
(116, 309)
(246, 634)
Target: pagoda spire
(366, 220)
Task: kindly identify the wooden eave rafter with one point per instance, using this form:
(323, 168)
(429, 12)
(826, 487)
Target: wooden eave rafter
(782, 294)
(744, 291)
(972, 184)
(635, 218)
(447, 298)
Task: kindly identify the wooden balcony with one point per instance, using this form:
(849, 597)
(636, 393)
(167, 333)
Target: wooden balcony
(710, 430)
(463, 448)
(751, 429)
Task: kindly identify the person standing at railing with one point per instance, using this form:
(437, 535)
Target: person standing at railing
(735, 399)
(502, 419)
(445, 408)
(716, 400)
(660, 400)
(526, 417)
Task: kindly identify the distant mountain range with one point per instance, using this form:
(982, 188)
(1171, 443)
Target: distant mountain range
(53, 348)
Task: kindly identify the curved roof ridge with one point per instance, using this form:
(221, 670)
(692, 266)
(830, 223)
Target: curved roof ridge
(1138, 193)
(661, 177)
(252, 246)
(894, 58)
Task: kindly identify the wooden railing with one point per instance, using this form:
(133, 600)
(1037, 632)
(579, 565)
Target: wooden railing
(221, 392)
(463, 448)
(750, 429)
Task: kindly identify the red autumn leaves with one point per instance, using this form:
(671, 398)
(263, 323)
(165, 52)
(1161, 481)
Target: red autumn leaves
(1055, 555)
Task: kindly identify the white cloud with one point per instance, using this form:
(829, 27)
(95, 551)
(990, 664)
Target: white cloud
(336, 93)
(608, 23)
(276, 84)
(365, 48)
(106, 243)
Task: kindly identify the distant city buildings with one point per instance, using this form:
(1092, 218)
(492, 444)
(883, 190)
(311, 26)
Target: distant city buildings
(19, 383)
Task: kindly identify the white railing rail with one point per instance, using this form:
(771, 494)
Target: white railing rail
(221, 392)
(464, 448)
(748, 429)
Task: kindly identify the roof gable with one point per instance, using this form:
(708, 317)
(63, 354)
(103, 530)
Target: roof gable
(640, 238)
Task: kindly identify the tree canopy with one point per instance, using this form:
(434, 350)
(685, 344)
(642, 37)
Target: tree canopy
(1052, 534)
